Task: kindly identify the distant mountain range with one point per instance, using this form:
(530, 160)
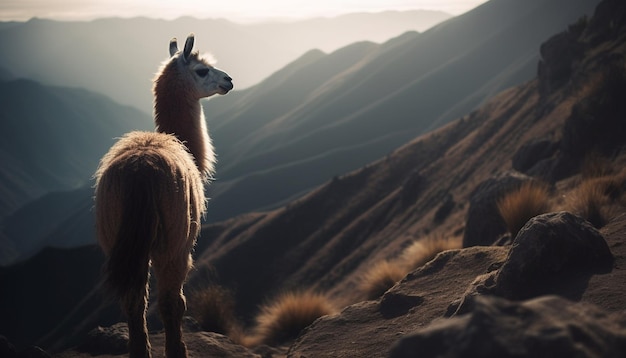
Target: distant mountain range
(51, 136)
(52, 139)
(326, 114)
(118, 57)
(317, 118)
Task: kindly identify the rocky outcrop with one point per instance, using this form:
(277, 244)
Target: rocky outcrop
(547, 248)
(529, 157)
(482, 291)
(597, 121)
(484, 224)
(548, 326)
(368, 329)
(106, 340)
(558, 56)
(113, 341)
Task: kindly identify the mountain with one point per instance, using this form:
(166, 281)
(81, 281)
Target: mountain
(53, 138)
(324, 115)
(426, 188)
(318, 117)
(66, 221)
(118, 57)
(328, 238)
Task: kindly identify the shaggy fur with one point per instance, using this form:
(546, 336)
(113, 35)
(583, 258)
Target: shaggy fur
(150, 199)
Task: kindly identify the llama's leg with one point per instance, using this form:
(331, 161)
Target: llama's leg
(170, 278)
(135, 305)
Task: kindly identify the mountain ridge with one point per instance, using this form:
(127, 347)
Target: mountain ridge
(400, 89)
(53, 139)
(126, 56)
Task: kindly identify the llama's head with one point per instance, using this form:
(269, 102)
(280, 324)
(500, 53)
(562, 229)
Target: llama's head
(206, 80)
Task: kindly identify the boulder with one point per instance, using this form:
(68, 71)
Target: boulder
(106, 340)
(113, 340)
(368, 329)
(484, 225)
(548, 326)
(547, 248)
(554, 253)
(531, 153)
(558, 56)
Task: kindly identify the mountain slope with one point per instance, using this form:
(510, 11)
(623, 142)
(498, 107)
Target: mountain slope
(274, 145)
(118, 57)
(53, 138)
(326, 239)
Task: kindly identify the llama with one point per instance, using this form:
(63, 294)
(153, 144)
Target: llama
(149, 198)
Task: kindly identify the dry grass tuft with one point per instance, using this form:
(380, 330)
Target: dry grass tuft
(385, 274)
(420, 252)
(517, 207)
(283, 319)
(599, 199)
(213, 308)
(379, 278)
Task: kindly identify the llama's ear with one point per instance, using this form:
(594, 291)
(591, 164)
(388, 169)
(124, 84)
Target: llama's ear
(173, 47)
(188, 47)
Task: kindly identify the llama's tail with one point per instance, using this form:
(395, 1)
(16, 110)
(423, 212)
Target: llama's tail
(128, 263)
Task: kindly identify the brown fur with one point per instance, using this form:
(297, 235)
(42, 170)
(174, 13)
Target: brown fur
(186, 109)
(150, 200)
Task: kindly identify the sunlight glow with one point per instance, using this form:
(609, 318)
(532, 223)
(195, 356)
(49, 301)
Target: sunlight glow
(235, 10)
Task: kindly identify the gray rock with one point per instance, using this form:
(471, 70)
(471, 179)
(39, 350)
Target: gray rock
(531, 153)
(106, 340)
(548, 326)
(558, 57)
(484, 225)
(548, 247)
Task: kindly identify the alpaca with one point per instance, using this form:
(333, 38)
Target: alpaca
(149, 198)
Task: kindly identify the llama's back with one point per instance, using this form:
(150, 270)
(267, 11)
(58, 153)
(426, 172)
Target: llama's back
(149, 202)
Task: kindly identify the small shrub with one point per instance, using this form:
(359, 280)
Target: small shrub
(422, 251)
(598, 200)
(379, 278)
(519, 206)
(385, 274)
(214, 309)
(283, 319)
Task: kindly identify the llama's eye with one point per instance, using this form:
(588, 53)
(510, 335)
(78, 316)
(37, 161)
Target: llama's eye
(202, 72)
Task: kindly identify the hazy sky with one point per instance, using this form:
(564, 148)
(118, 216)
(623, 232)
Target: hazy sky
(236, 10)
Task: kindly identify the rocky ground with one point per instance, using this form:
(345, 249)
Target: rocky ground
(463, 303)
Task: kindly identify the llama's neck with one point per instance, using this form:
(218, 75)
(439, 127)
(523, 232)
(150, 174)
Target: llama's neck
(177, 112)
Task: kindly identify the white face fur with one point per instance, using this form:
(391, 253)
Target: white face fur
(208, 80)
